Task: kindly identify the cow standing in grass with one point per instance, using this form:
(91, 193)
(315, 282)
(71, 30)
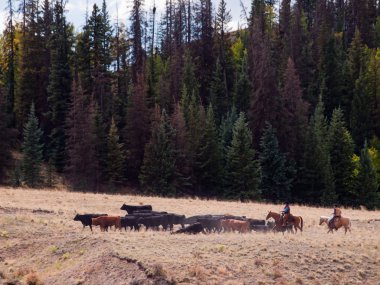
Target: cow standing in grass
(86, 219)
(105, 222)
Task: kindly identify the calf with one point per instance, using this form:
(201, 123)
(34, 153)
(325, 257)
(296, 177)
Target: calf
(106, 221)
(235, 225)
(86, 219)
(193, 229)
(131, 209)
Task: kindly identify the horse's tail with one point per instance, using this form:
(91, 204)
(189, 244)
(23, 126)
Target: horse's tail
(301, 223)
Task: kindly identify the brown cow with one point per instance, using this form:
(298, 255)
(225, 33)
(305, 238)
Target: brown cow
(106, 221)
(235, 225)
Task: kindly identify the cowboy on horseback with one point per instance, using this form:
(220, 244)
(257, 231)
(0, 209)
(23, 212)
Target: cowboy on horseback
(337, 213)
(285, 213)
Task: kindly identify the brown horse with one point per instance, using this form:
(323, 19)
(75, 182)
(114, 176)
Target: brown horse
(338, 223)
(295, 221)
(278, 227)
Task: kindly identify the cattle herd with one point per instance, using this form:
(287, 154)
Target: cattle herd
(144, 216)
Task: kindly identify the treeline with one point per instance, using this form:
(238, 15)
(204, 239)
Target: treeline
(287, 108)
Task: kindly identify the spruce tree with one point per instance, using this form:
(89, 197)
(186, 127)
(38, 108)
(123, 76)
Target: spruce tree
(331, 74)
(218, 94)
(195, 127)
(32, 151)
(243, 89)
(59, 86)
(361, 121)
(226, 130)
(242, 177)
(293, 111)
(366, 184)
(137, 129)
(81, 163)
(341, 148)
(208, 160)
(181, 145)
(115, 157)
(276, 174)
(100, 144)
(316, 183)
(6, 135)
(158, 170)
(373, 90)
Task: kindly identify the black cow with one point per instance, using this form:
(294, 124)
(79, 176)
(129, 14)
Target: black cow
(261, 228)
(211, 224)
(179, 220)
(149, 212)
(192, 229)
(254, 222)
(194, 219)
(131, 222)
(86, 219)
(131, 209)
(239, 218)
(153, 222)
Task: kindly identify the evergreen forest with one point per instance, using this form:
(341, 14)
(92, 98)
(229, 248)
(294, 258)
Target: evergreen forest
(284, 108)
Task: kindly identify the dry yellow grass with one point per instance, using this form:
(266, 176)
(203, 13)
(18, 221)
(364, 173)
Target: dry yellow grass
(55, 247)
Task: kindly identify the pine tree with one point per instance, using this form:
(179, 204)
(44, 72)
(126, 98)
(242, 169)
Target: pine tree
(265, 97)
(195, 126)
(6, 135)
(222, 21)
(331, 75)
(83, 61)
(243, 89)
(341, 148)
(137, 49)
(208, 160)
(158, 170)
(100, 143)
(277, 175)
(293, 114)
(32, 149)
(367, 186)
(100, 36)
(218, 95)
(361, 121)
(34, 63)
(316, 183)
(181, 147)
(242, 177)
(137, 129)
(226, 130)
(81, 163)
(59, 86)
(373, 90)
(115, 157)
(204, 49)
(355, 70)
(10, 50)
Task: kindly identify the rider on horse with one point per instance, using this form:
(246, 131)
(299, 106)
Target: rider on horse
(335, 215)
(285, 213)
